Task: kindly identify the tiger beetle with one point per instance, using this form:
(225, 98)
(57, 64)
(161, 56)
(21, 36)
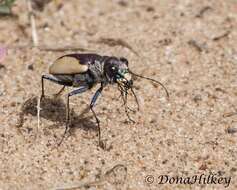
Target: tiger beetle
(84, 71)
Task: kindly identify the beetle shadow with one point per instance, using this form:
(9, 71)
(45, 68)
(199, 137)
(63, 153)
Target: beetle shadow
(54, 109)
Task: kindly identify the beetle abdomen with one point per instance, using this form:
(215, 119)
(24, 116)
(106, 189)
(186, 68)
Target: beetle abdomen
(67, 65)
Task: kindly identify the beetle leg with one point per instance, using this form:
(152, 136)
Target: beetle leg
(60, 91)
(93, 101)
(52, 79)
(74, 92)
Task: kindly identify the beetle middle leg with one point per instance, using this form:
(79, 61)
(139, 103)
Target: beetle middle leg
(74, 92)
(60, 91)
(93, 101)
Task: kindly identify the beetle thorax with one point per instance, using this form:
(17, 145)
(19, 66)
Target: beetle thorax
(97, 70)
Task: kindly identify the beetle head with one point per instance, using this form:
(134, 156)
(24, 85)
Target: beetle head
(116, 70)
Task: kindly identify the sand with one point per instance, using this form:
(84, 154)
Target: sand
(189, 46)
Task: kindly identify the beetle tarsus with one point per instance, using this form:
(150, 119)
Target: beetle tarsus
(64, 134)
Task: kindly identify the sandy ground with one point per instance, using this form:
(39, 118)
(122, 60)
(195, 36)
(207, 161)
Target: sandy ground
(190, 46)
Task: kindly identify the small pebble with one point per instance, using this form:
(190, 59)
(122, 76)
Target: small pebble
(197, 98)
(30, 67)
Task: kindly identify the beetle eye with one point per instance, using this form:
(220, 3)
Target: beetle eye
(114, 69)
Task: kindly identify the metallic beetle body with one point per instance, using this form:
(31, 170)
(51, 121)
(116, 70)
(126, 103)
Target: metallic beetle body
(83, 71)
(87, 69)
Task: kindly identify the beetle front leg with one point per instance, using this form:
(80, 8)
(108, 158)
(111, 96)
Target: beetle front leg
(74, 92)
(93, 101)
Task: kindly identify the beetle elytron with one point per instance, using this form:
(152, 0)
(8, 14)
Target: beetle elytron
(83, 71)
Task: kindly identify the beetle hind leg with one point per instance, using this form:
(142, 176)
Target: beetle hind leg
(54, 80)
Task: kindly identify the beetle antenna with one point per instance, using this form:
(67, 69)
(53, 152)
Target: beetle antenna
(153, 80)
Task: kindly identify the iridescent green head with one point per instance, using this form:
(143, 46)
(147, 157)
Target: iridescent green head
(116, 71)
